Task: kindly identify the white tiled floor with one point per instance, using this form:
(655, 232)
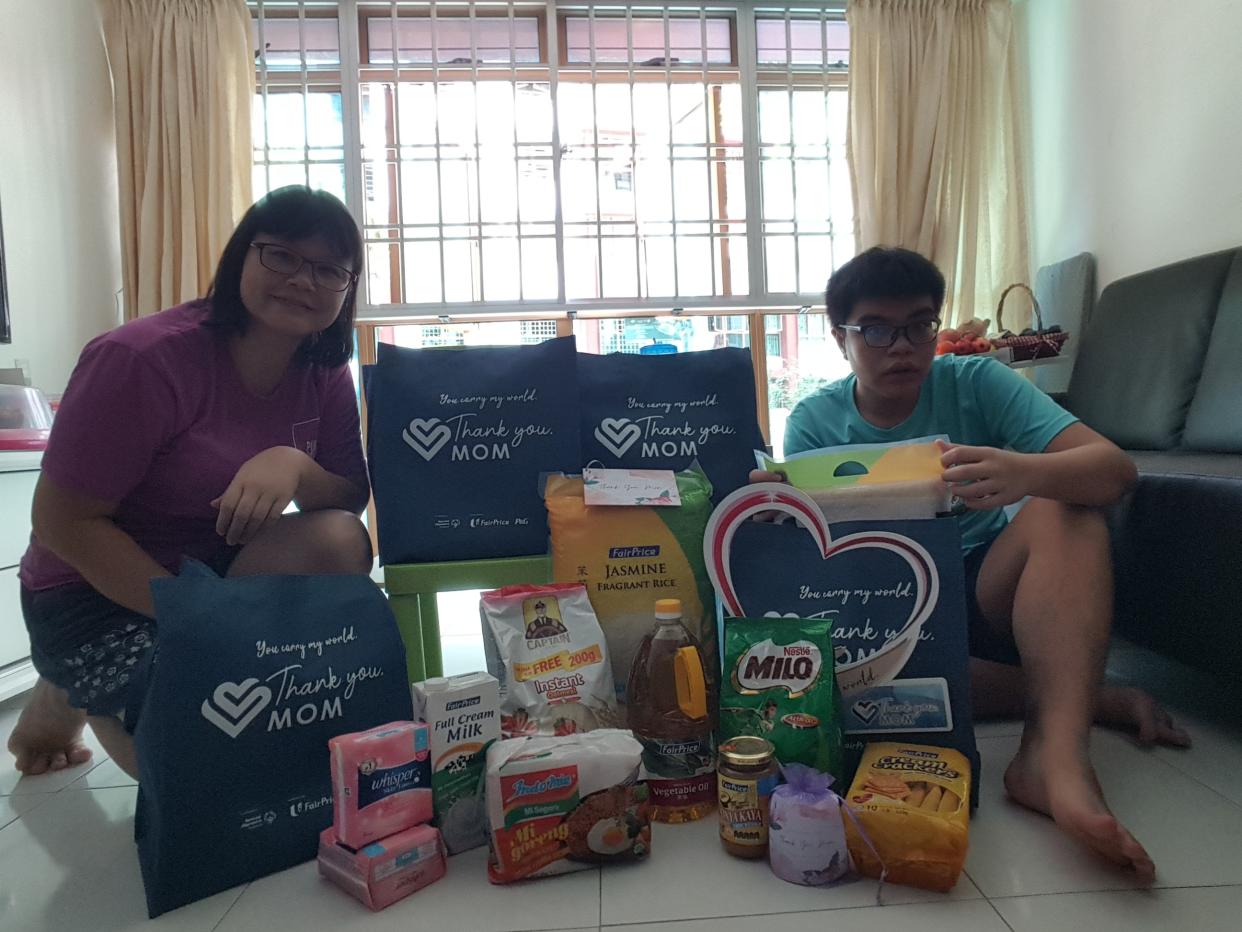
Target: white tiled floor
(67, 859)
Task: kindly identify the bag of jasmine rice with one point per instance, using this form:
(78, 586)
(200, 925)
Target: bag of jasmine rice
(627, 557)
(779, 684)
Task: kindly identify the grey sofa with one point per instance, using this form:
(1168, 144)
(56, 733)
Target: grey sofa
(1159, 372)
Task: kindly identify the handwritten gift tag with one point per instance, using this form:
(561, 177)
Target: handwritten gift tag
(630, 487)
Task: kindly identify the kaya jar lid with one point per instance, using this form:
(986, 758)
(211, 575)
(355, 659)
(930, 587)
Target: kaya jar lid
(747, 751)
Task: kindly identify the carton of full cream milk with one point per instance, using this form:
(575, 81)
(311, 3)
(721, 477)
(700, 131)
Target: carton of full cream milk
(464, 714)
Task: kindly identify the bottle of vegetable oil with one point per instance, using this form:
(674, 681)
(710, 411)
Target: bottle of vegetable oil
(667, 708)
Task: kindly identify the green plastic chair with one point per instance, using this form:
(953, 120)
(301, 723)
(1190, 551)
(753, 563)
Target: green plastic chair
(412, 590)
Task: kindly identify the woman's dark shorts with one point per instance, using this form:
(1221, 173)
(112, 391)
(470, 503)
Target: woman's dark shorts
(88, 645)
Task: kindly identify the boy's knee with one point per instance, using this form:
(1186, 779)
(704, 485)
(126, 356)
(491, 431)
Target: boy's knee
(1063, 520)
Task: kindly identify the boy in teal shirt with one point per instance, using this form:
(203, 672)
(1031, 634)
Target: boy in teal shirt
(1039, 588)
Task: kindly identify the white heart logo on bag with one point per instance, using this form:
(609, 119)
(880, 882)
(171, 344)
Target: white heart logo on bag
(740, 506)
(618, 434)
(866, 710)
(426, 437)
(236, 705)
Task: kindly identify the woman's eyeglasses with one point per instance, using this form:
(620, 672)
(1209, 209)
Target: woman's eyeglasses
(287, 262)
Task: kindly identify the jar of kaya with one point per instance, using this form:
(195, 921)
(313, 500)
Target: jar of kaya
(745, 778)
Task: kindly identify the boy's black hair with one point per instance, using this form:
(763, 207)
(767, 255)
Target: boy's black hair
(295, 212)
(882, 272)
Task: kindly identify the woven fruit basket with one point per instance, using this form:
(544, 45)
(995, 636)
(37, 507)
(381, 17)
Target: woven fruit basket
(1041, 343)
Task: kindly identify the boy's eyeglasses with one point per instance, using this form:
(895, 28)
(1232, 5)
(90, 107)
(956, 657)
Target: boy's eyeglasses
(287, 262)
(882, 336)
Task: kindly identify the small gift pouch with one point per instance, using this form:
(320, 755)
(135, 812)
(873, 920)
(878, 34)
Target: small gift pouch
(807, 835)
(806, 831)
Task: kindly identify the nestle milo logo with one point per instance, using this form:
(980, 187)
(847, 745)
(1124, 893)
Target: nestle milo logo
(767, 665)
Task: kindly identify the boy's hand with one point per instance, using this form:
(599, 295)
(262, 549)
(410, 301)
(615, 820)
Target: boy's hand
(759, 475)
(985, 477)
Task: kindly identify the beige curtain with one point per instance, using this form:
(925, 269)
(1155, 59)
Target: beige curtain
(933, 146)
(183, 81)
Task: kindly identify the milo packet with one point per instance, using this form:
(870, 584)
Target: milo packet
(778, 684)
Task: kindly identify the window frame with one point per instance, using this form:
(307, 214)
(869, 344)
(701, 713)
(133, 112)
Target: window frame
(745, 70)
(367, 12)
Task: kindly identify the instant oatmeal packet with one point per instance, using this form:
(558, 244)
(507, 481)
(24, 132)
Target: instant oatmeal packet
(545, 648)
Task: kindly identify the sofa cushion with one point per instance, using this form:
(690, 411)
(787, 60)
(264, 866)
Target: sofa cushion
(1176, 548)
(1215, 418)
(1187, 463)
(1142, 351)
(1066, 292)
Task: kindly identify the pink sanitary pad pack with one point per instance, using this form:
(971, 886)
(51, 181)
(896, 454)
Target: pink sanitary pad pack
(383, 872)
(381, 782)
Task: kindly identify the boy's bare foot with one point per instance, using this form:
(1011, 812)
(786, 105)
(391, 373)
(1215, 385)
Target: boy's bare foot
(1060, 782)
(998, 691)
(1134, 710)
(48, 734)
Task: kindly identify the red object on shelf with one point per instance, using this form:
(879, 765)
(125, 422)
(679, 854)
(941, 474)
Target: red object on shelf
(23, 438)
(25, 418)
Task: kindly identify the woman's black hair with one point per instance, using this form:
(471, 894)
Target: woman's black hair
(295, 212)
(882, 272)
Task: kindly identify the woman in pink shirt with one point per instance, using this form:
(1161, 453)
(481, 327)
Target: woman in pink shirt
(187, 434)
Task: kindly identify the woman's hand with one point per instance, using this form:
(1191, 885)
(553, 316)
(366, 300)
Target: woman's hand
(985, 477)
(259, 493)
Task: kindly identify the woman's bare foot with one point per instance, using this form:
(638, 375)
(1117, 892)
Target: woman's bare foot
(1060, 782)
(48, 734)
(1134, 710)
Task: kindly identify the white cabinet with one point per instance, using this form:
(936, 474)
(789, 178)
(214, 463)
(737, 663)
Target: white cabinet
(18, 474)
(14, 645)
